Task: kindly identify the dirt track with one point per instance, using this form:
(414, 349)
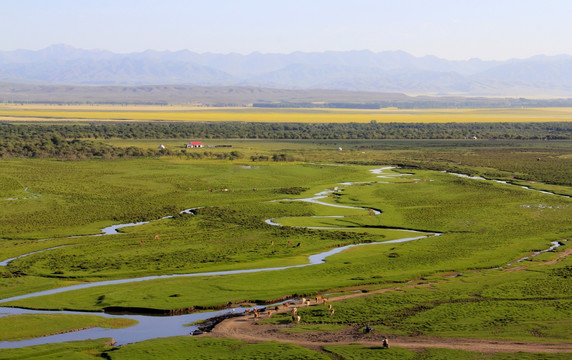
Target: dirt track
(246, 329)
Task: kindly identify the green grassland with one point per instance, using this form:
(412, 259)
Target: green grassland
(484, 225)
(169, 348)
(208, 348)
(358, 352)
(75, 350)
(19, 327)
(448, 285)
(531, 305)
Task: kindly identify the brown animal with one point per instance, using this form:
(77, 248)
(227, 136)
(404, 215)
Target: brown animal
(269, 313)
(325, 300)
(290, 243)
(307, 302)
(156, 236)
(272, 243)
(295, 311)
(141, 242)
(330, 307)
(385, 343)
(319, 299)
(298, 319)
(332, 312)
(256, 315)
(303, 300)
(247, 311)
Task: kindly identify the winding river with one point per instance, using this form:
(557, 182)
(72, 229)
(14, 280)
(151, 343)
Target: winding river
(150, 327)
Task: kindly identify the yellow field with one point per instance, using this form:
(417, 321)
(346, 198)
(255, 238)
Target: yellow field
(194, 114)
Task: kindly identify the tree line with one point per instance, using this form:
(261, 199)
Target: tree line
(237, 130)
(77, 141)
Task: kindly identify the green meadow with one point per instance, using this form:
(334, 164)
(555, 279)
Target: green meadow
(454, 285)
(19, 327)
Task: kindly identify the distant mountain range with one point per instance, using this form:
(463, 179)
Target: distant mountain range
(388, 71)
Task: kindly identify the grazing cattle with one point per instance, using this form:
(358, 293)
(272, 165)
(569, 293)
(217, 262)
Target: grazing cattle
(141, 242)
(256, 315)
(325, 300)
(299, 244)
(295, 311)
(272, 243)
(290, 243)
(332, 312)
(330, 307)
(156, 236)
(298, 319)
(303, 300)
(293, 317)
(319, 299)
(307, 302)
(269, 313)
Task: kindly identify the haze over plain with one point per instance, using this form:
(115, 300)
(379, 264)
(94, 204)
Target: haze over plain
(455, 30)
(491, 48)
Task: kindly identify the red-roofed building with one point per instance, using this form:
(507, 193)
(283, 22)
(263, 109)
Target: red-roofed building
(195, 144)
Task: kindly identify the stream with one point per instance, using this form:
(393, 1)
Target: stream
(151, 327)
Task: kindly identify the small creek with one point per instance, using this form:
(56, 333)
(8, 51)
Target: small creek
(151, 327)
(506, 183)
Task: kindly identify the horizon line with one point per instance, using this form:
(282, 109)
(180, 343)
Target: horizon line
(257, 52)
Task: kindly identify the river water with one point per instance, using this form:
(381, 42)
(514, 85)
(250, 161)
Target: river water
(151, 327)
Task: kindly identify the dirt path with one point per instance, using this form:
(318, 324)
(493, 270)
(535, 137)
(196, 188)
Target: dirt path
(247, 329)
(559, 258)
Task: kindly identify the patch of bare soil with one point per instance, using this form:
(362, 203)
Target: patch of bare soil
(247, 329)
(559, 258)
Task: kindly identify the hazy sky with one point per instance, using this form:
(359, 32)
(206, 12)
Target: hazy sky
(452, 29)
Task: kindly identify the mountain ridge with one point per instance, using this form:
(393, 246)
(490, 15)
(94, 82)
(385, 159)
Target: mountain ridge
(356, 70)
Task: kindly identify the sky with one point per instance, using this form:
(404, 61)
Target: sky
(450, 29)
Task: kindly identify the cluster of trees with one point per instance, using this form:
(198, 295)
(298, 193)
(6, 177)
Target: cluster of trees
(53, 145)
(237, 130)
